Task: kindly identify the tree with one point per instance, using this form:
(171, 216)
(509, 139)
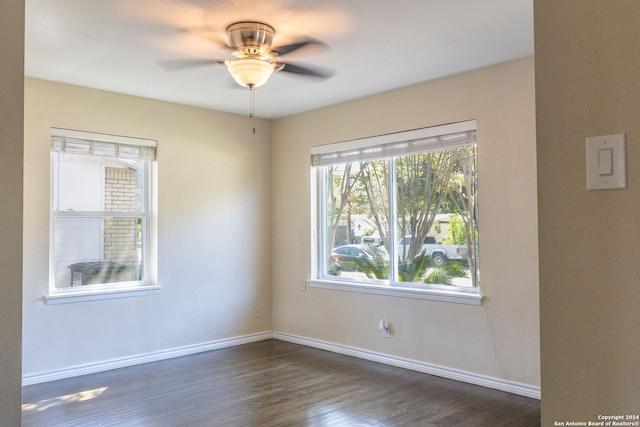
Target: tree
(422, 185)
(463, 195)
(374, 183)
(342, 184)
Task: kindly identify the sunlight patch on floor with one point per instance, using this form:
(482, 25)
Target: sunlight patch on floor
(60, 400)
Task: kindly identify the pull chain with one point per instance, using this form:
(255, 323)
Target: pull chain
(252, 108)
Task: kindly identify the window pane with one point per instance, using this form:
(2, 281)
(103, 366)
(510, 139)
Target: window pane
(357, 220)
(94, 183)
(436, 217)
(92, 250)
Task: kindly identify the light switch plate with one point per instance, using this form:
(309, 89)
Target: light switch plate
(606, 162)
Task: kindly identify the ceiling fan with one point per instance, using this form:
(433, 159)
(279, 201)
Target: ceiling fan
(255, 59)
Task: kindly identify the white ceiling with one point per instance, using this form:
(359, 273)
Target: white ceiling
(375, 46)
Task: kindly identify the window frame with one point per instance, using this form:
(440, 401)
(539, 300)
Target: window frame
(433, 292)
(148, 283)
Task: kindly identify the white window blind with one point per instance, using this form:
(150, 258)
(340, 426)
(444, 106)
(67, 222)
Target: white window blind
(397, 144)
(75, 142)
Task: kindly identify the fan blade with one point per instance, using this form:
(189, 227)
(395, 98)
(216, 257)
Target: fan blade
(181, 64)
(305, 71)
(307, 43)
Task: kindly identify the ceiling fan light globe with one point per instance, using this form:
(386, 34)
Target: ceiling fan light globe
(250, 72)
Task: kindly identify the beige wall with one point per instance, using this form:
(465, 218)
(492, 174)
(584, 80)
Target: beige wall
(11, 151)
(221, 200)
(214, 204)
(499, 339)
(587, 84)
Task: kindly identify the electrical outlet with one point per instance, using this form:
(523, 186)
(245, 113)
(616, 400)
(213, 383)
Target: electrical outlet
(258, 312)
(303, 286)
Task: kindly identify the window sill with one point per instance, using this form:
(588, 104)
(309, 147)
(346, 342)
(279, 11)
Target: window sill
(458, 296)
(72, 296)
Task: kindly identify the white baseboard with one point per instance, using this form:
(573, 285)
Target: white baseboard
(91, 368)
(441, 371)
(427, 368)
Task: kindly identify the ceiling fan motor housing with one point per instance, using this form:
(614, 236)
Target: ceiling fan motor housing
(251, 38)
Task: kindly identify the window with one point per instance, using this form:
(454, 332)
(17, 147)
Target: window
(399, 212)
(101, 213)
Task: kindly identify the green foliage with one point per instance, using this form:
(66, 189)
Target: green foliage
(378, 268)
(368, 232)
(457, 231)
(444, 274)
(412, 271)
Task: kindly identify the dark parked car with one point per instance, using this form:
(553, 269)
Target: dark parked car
(349, 255)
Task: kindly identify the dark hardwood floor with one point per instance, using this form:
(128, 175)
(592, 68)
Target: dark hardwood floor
(270, 383)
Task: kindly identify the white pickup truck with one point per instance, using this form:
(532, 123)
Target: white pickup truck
(438, 253)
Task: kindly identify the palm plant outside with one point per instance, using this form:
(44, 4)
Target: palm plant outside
(417, 270)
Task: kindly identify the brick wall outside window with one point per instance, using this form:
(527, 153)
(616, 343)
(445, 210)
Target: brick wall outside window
(120, 233)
